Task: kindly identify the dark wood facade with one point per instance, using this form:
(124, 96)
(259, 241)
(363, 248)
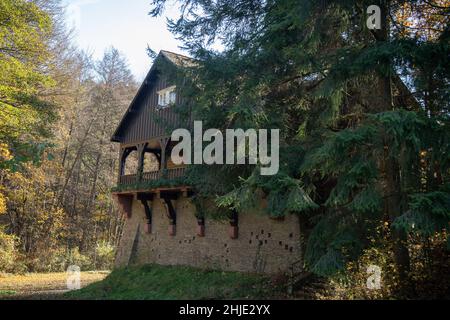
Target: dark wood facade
(148, 120)
(146, 127)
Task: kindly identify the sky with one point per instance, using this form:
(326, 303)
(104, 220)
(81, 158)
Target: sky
(124, 24)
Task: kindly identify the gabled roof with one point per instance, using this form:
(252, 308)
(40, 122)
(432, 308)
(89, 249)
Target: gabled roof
(176, 59)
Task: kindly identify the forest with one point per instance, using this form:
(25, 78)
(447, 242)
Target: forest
(364, 132)
(58, 107)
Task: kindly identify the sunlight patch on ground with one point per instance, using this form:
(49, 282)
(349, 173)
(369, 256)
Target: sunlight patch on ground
(11, 285)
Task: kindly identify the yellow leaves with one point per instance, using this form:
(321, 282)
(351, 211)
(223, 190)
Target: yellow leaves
(24, 26)
(5, 154)
(422, 19)
(31, 195)
(25, 32)
(100, 216)
(2, 204)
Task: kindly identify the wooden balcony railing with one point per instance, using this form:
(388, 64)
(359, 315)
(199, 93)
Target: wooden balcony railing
(128, 179)
(150, 176)
(175, 173)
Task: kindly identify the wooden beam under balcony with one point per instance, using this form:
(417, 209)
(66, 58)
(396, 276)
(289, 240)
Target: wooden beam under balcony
(125, 203)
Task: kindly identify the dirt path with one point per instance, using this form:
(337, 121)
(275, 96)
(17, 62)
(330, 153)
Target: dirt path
(42, 286)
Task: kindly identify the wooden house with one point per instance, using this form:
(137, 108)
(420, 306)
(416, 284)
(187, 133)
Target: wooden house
(161, 225)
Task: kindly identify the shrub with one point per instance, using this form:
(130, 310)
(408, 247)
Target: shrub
(430, 262)
(104, 256)
(74, 257)
(354, 282)
(58, 260)
(7, 252)
(9, 256)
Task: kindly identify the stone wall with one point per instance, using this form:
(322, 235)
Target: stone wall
(263, 245)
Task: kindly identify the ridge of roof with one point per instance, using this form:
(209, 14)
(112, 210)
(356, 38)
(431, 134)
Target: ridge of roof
(177, 58)
(176, 54)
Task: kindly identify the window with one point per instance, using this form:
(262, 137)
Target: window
(172, 97)
(167, 96)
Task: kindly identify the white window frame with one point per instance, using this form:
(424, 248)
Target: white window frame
(167, 96)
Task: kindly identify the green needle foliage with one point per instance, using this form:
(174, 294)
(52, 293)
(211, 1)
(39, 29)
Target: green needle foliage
(363, 114)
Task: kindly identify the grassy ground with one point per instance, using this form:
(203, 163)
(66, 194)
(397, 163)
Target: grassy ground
(143, 283)
(41, 286)
(167, 283)
(154, 282)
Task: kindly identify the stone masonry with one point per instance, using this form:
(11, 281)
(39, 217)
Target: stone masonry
(264, 245)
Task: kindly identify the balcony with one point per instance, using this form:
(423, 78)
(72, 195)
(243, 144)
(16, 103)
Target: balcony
(146, 167)
(127, 181)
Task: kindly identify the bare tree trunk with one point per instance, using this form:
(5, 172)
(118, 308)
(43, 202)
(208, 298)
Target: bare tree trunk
(66, 147)
(390, 166)
(96, 169)
(77, 158)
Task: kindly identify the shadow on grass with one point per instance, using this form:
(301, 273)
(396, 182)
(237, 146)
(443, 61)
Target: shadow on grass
(155, 282)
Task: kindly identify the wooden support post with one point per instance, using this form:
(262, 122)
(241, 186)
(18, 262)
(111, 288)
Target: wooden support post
(171, 213)
(146, 200)
(163, 143)
(172, 230)
(162, 161)
(201, 227)
(234, 225)
(141, 155)
(122, 157)
(148, 216)
(125, 203)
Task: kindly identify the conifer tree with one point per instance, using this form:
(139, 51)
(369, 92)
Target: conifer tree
(363, 113)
